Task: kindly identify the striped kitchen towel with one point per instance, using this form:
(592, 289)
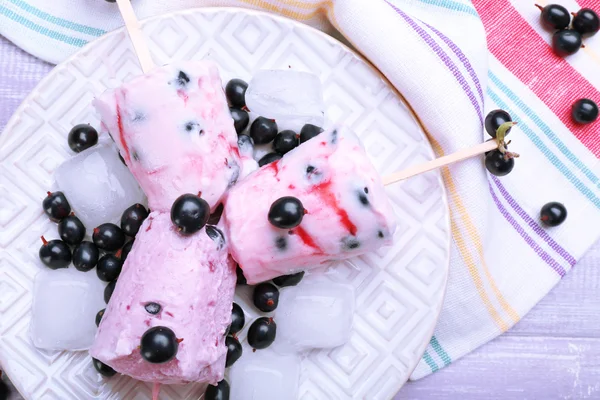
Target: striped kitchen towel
(435, 52)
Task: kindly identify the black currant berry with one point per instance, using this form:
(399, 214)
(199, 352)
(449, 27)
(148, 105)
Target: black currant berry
(85, 256)
(82, 137)
(240, 119)
(108, 237)
(159, 345)
(286, 212)
(586, 22)
(238, 319)
(103, 369)
(234, 351)
(566, 42)
(262, 333)
(266, 297)
(554, 16)
(285, 141)
(498, 164)
(55, 254)
(56, 206)
(132, 219)
(189, 213)
(71, 230)
(494, 120)
(263, 130)
(553, 214)
(584, 111)
(289, 280)
(269, 158)
(235, 90)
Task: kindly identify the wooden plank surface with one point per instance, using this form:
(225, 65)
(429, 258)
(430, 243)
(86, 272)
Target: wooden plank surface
(553, 353)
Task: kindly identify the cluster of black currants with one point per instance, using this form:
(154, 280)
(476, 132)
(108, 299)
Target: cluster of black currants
(500, 161)
(107, 251)
(567, 39)
(264, 130)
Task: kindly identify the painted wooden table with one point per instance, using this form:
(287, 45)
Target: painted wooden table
(553, 353)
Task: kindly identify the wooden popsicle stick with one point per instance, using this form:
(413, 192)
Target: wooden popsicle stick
(440, 162)
(135, 34)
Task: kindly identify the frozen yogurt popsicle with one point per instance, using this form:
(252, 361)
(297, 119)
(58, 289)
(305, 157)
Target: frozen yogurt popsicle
(348, 212)
(192, 280)
(174, 131)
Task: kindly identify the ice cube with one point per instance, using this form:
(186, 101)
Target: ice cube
(314, 314)
(291, 98)
(98, 186)
(65, 303)
(265, 375)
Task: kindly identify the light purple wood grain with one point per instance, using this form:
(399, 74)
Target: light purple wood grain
(553, 353)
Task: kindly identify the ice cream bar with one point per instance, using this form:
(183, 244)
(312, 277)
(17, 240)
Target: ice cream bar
(174, 131)
(347, 209)
(192, 280)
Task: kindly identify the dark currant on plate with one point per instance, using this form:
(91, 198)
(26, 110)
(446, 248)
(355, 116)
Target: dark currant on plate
(132, 219)
(234, 351)
(309, 131)
(286, 212)
(108, 291)
(566, 42)
(553, 214)
(219, 392)
(241, 279)
(262, 333)
(108, 237)
(99, 316)
(285, 141)
(554, 16)
(265, 297)
(235, 90)
(126, 249)
(494, 119)
(85, 256)
(55, 254)
(289, 280)
(238, 319)
(263, 130)
(159, 345)
(498, 163)
(56, 206)
(269, 158)
(109, 266)
(586, 22)
(82, 137)
(71, 230)
(103, 369)
(189, 213)
(240, 119)
(584, 111)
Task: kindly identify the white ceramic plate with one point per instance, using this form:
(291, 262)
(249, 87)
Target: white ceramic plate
(399, 291)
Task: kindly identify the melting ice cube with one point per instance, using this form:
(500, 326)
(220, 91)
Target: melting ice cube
(291, 98)
(98, 186)
(314, 314)
(65, 303)
(265, 375)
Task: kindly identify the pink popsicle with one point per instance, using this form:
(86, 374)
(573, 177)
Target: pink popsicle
(348, 212)
(193, 279)
(174, 131)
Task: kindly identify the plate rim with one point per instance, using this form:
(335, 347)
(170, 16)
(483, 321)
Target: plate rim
(16, 117)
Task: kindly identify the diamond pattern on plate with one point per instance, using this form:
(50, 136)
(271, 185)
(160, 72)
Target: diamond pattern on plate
(399, 289)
